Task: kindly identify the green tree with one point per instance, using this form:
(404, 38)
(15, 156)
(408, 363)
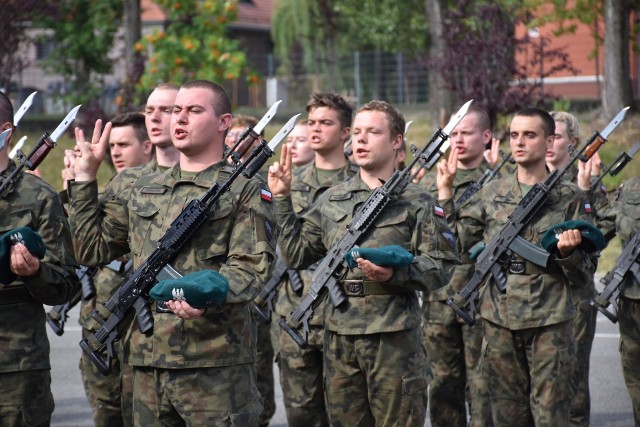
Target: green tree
(193, 45)
(83, 32)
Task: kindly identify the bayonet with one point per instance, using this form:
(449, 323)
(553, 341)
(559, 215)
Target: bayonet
(64, 124)
(17, 147)
(23, 109)
(4, 136)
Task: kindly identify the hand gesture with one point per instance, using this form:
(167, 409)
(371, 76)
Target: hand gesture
(68, 172)
(492, 155)
(585, 170)
(184, 310)
(90, 155)
(374, 272)
(568, 241)
(446, 173)
(279, 178)
(22, 262)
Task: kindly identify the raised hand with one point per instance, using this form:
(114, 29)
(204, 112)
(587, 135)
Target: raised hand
(492, 155)
(279, 178)
(446, 173)
(89, 155)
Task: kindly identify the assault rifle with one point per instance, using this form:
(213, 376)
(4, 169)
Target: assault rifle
(133, 293)
(488, 175)
(333, 265)
(499, 250)
(626, 263)
(263, 303)
(37, 155)
(617, 165)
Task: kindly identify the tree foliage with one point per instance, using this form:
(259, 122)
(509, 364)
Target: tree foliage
(193, 45)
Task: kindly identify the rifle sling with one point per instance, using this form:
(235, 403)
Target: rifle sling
(361, 288)
(15, 295)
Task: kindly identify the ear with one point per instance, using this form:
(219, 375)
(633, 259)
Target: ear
(345, 133)
(225, 122)
(486, 136)
(147, 147)
(397, 142)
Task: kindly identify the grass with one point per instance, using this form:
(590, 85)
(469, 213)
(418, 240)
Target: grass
(422, 128)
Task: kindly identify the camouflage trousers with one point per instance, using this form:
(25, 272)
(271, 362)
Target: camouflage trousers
(629, 319)
(301, 377)
(528, 374)
(110, 396)
(26, 399)
(225, 396)
(584, 330)
(378, 379)
(453, 349)
(264, 369)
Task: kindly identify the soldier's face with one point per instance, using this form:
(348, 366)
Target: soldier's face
(195, 126)
(157, 115)
(126, 149)
(469, 139)
(298, 142)
(527, 140)
(326, 134)
(558, 153)
(373, 146)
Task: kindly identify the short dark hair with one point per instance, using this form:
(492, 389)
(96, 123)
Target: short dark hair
(483, 117)
(135, 120)
(548, 124)
(335, 102)
(396, 119)
(221, 103)
(6, 109)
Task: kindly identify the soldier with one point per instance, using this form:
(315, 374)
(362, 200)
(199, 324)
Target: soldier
(265, 353)
(301, 372)
(528, 350)
(25, 378)
(374, 358)
(129, 147)
(298, 141)
(452, 346)
(567, 134)
(196, 366)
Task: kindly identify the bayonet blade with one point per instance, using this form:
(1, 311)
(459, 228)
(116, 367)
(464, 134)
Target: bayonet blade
(453, 123)
(633, 150)
(283, 132)
(267, 118)
(406, 127)
(17, 147)
(3, 137)
(614, 123)
(23, 109)
(64, 124)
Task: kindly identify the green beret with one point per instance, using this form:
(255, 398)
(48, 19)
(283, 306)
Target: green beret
(592, 238)
(206, 288)
(386, 256)
(24, 235)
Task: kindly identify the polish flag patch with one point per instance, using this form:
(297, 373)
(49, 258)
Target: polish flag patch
(438, 211)
(587, 208)
(266, 195)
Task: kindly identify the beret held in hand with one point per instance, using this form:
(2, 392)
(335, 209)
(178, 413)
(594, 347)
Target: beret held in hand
(202, 289)
(24, 235)
(386, 256)
(592, 238)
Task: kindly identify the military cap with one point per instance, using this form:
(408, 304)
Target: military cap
(592, 238)
(386, 256)
(202, 289)
(24, 235)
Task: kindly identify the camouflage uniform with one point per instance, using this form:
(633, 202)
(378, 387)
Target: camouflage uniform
(528, 352)
(375, 364)
(110, 396)
(25, 380)
(301, 369)
(626, 212)
(454, 347)
(200, 370)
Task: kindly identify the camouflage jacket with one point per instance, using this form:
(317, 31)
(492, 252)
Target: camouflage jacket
(106, 280)
(462, 272)
(530, 300)
(237, 240)
(34, 204)
(409, 221)
(626, 211)
(305, 189)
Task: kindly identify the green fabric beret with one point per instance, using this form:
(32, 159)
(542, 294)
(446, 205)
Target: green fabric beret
(202, 289)
(29, 238)
(592, 238)
(386, 256)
